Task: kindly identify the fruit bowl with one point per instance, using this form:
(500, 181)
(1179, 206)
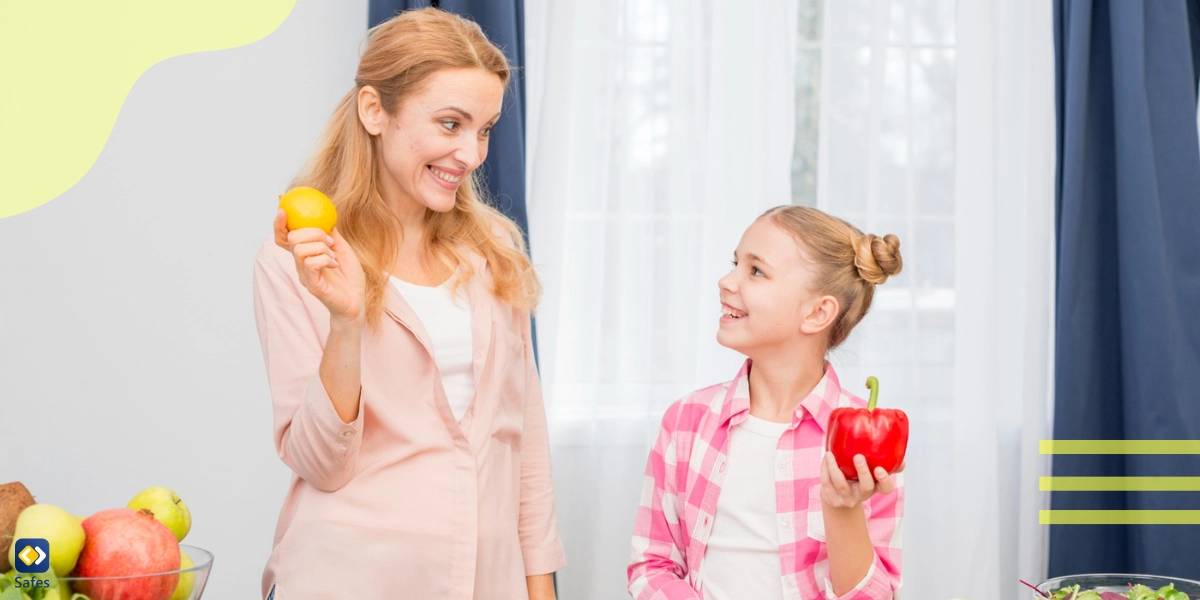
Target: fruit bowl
(122, 588)
(1116, 582)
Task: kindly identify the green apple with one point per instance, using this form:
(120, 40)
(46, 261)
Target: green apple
(167, 508)
(58, 590)
(64, 590)
(56, 526)
(183, 590)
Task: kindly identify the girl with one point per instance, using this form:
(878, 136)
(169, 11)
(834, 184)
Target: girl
(398, 349)
(740, 501)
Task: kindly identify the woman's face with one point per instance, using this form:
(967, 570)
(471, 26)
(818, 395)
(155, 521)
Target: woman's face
(766, 302)
(436, 138)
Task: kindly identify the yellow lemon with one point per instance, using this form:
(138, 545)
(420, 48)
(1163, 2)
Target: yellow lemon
(307, 207)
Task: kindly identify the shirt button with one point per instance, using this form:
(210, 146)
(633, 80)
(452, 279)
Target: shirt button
(785, 520)
(347, 434)
(782, 464)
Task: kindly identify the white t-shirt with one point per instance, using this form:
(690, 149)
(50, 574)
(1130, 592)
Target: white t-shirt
(742, 559)
(449, 324)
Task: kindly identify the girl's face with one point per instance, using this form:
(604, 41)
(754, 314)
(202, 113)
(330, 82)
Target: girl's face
(436, 138)
(766, 300)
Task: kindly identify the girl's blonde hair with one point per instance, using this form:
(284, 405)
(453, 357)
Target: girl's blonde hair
(401, 54)
(849, 263)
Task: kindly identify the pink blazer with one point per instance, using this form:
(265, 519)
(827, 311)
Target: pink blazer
(405, 502)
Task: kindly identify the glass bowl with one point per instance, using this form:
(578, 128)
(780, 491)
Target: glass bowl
(1116, 582)
(126, 587)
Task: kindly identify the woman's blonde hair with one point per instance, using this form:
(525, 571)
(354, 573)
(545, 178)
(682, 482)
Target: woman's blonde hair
(849, 263)
(400, 56)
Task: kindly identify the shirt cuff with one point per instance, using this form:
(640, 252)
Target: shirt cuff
(874, 586)
(675, 590)
(320, 408)
(546, 560)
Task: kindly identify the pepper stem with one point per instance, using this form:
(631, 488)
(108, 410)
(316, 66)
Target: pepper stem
(873, 385)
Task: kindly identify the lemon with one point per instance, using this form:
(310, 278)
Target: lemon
(307, 207)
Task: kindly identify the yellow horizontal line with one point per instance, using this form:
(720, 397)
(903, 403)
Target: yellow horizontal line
(1119, 447)
(1119, 517)
(1119, 484)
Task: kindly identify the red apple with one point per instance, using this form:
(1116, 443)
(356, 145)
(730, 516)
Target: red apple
(122, 542)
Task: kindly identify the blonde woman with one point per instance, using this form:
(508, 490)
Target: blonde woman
(398, 349)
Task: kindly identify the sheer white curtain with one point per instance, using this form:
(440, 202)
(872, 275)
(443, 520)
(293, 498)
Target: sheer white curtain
(660, 128)
(936, 123)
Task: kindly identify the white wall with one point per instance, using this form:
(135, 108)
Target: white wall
(128, 353)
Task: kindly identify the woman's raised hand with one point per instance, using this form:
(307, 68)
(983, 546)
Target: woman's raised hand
(327, 266)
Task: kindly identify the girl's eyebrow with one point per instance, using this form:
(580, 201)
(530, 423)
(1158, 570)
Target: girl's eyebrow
(752, 256)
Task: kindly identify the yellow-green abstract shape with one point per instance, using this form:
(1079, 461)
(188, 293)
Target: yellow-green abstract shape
(1119, 447)
(1119, 517)
(1119, 484)
(66, 67)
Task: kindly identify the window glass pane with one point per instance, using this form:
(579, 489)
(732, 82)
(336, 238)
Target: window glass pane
(808, 105)
(932, 22)
(810, 20)
(933, 142)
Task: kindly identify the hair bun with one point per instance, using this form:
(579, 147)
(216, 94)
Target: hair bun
(877, 258)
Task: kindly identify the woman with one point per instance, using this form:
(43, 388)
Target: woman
(398, 348)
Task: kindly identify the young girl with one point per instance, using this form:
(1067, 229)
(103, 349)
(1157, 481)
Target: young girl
(740, 500)
(398, 349)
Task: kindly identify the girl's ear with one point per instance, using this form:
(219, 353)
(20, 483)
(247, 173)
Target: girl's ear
(370, 110)
(818, 314)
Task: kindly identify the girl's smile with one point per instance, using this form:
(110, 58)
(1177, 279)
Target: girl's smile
(730, 314)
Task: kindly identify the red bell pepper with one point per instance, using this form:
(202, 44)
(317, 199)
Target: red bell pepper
(880, 435)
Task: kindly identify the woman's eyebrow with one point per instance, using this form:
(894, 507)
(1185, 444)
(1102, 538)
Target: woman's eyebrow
(465, 115)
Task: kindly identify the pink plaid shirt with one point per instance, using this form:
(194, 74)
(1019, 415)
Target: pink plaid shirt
(683, 480)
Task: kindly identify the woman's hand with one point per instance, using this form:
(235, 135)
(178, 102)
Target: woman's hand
(327, 266)
(837, 492)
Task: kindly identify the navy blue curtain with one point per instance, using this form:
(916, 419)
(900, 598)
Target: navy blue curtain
(1128, 279)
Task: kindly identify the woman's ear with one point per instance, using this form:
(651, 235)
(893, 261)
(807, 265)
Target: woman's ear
(818, 314)
(370, 110)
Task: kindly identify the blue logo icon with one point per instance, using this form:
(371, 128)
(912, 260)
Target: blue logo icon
(33, 555)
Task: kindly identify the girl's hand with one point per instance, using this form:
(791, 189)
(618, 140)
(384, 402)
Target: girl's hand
(327, 266)
(837, 492)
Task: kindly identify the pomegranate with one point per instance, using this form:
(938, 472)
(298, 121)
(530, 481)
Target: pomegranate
(122, 542)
